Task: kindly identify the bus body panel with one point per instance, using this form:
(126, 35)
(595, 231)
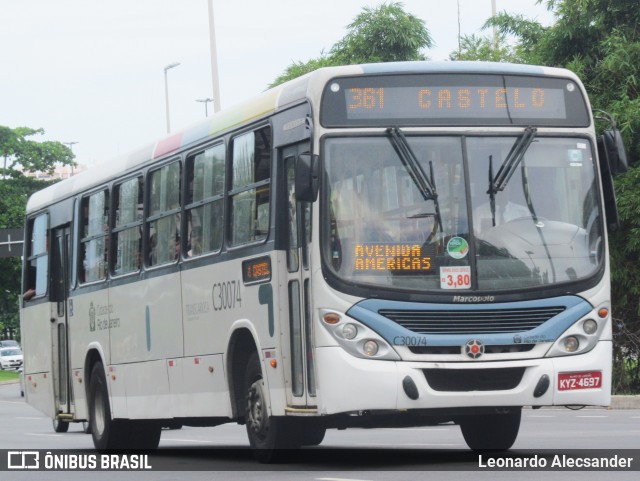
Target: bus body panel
(199, 387)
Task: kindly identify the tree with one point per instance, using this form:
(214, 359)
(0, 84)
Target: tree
(473, 47)
(600, 41)
(21, 155)
(383, 34)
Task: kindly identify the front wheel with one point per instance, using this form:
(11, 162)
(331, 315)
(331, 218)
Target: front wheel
(268, 435)
(492, 432)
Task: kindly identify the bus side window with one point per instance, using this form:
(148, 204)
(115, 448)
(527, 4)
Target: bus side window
(205, 212)
(250, 186)
(163, 221)
(37, 271)
(95, 230)
(127, 232)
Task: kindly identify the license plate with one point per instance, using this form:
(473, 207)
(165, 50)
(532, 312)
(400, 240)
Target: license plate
(568, 381)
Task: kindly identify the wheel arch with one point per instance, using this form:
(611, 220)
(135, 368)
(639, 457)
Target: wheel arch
(243, 341)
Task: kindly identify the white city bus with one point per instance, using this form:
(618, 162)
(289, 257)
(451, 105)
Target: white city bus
(398, 244)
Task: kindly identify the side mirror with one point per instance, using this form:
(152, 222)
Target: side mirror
(307, 178)
(614, 151)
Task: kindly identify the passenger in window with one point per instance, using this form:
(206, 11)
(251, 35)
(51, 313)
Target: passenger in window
(177, 247)
(196, 242)
(153, 241)
(29, 294)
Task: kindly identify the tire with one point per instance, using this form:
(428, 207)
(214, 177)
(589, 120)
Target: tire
(86, 427)
(143, 435)
(60, 426)
(492, 432)
(106, 433)
(269, 436)
(312, 436)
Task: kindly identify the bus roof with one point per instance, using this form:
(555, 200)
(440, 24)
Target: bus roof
(278, 98)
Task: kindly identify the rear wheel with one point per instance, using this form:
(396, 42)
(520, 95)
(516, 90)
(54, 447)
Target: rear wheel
(492, 432)
(60, 426)
(144, 434)
(268, 435)
(106, 432)
(110, 433)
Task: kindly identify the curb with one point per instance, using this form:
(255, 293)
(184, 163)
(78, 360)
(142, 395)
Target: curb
(625, 402)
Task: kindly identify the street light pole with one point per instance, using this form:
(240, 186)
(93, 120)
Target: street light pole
(215, 80)
(495, 29)
(166, 92)
(70, 145)
(205, 102)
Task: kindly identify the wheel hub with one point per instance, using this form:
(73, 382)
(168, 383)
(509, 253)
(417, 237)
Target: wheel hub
(257, 417)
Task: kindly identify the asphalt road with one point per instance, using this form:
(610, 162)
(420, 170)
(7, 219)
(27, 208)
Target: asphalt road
(352, 455)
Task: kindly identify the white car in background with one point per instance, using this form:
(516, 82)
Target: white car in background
(11, 358)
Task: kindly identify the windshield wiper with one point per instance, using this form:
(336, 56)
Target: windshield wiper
(426, 184)
(508, 167)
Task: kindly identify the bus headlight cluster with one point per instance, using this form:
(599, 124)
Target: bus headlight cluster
(356, 338)
(581, 336)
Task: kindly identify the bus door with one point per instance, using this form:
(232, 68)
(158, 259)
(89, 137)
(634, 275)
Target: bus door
(301, 372)
(59, 288)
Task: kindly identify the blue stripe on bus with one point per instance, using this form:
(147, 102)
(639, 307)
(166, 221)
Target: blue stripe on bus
(366, 312)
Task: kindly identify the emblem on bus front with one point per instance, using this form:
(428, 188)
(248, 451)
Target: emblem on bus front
(474, 349)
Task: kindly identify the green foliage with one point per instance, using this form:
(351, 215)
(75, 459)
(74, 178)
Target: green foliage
(383, 34)
(530, 35)
(473, 47)
(19, 154)
(298, 69)
(9, 376)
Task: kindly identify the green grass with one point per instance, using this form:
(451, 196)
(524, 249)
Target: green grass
(8, 376)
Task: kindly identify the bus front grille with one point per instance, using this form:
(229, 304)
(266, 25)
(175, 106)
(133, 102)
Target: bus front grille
(467, 380)
(475, 321)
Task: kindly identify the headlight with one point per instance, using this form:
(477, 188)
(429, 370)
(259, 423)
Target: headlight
(571, 344)
(349, 331)
(370, 348)
(356, 338)
(590, 326)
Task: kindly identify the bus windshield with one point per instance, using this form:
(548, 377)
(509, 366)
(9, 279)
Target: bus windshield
(540, 226)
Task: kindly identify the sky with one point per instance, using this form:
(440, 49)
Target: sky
(92, 71)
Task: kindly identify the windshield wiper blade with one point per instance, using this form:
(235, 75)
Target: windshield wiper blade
(508, 167)
(426, 184)
(511, 162)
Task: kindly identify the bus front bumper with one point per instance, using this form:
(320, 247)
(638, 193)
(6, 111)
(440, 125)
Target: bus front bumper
(347, 383)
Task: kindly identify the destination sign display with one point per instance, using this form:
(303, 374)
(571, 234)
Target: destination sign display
(455, 99)
(373, 257)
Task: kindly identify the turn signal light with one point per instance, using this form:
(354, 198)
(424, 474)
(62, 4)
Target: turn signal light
(331, 318)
